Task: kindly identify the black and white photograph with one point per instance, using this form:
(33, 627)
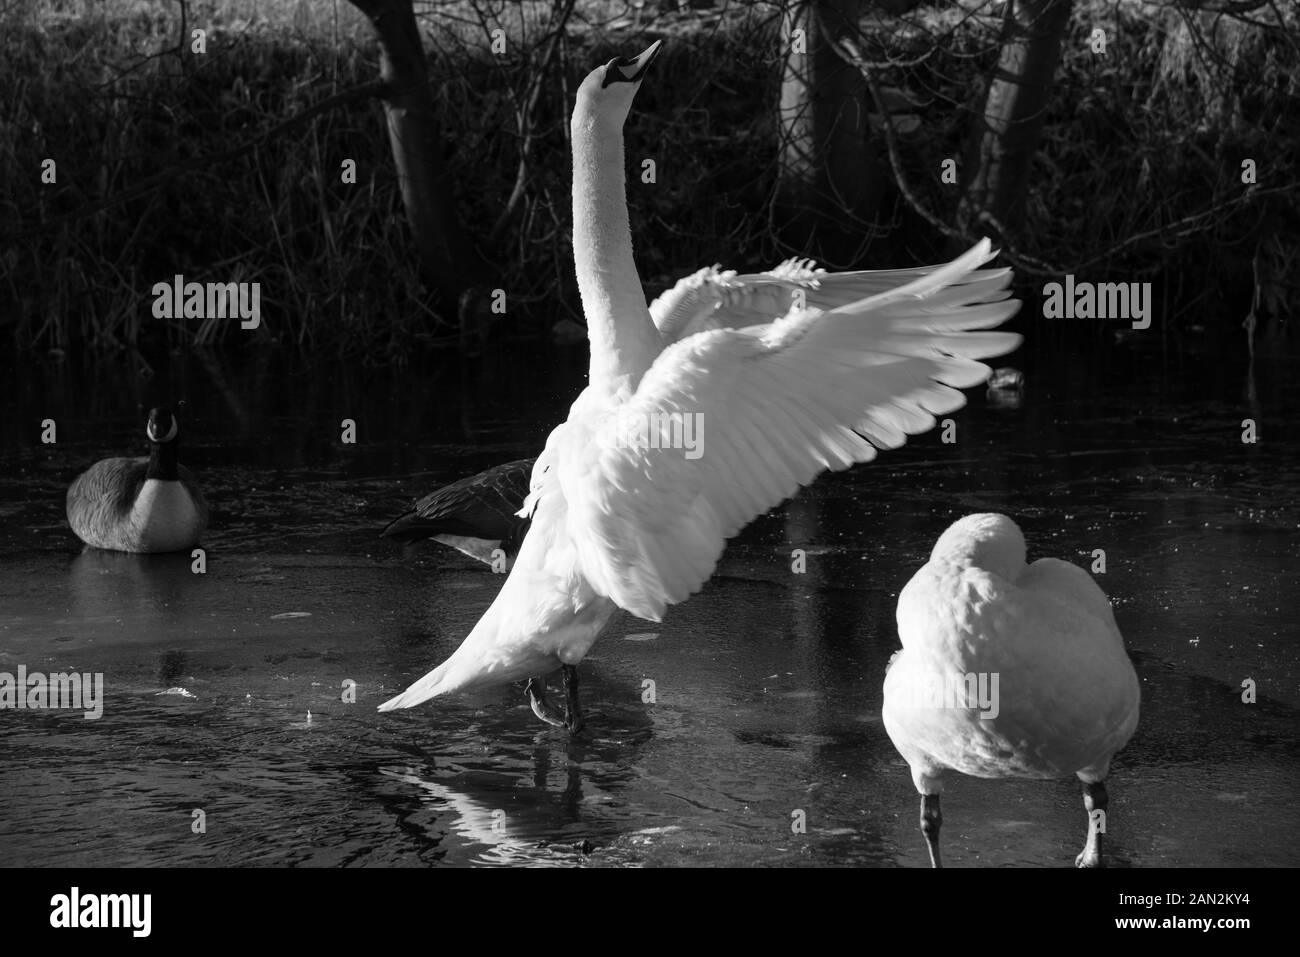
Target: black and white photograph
(670, 434)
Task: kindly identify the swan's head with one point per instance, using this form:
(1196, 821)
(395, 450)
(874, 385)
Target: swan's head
(608, 90)
(989, 541)
(162, 427)
(543, 475)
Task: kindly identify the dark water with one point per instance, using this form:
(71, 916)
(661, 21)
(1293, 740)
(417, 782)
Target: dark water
(768, 684)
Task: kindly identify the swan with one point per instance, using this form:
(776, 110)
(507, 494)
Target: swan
(475, 515)
(618, 520)
(478, 514)
(1055, 690)
(146, 504)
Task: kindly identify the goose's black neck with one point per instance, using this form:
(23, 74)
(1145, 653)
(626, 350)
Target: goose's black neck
(162, 461)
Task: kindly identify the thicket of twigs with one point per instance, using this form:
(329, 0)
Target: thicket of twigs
(173, 163)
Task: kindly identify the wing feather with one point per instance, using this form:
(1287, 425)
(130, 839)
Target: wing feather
(712, 298)
(776, 405)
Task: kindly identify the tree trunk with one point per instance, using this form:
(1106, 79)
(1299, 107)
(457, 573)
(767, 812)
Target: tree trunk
(448, 260)
(1005, 137)
(830, 184)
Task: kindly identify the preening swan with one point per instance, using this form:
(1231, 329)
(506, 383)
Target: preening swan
(475, 515)
(147, 504)
(1007, 670)
(702, 412)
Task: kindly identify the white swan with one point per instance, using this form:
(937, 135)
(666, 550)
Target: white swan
(1007, 670)
(617, 520)
(477, 515)
(146, 504)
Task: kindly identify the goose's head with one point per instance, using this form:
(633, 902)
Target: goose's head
(987, 540)
(607, 92)
(162, 427)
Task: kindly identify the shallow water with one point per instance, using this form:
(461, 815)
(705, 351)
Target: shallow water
(767, 684)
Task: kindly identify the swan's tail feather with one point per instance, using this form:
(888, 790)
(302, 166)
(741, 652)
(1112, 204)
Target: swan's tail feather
(420, 692)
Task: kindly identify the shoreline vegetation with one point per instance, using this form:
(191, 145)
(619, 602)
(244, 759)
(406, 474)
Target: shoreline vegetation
(227, 166)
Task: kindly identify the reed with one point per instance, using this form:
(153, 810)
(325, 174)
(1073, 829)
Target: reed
(1150, 135)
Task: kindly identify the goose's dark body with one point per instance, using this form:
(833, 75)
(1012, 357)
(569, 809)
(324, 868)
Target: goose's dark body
(145, 504)
(475, 515)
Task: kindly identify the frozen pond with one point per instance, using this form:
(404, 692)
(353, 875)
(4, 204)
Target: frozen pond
(767, 684)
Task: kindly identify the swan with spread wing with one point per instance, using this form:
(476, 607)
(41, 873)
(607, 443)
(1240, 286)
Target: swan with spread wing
(780, 376)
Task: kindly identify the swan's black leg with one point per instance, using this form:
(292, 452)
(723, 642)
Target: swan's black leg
(931, 820)
(1094, 799)
(573, 707)
(536, 691)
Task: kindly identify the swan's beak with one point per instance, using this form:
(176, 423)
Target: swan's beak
(624, 70)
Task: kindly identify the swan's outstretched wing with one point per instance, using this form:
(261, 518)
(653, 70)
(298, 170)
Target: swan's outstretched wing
(713, 298)
(772, 407)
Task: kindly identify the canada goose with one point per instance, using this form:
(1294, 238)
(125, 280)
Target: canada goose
(618, 520)
(475, 515)
(147, 504)
(1007, 670)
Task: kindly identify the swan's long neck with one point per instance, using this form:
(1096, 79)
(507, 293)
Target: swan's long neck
(623, 339)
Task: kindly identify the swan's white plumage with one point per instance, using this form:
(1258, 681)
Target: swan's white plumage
(712, 298)
(1068, 694)
(781, 398)
(623, 339)
(778, 405)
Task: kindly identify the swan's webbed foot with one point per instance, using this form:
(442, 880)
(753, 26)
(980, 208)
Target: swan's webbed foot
(536, 691)
(571, 718)
(931, 821)
(1095, 800)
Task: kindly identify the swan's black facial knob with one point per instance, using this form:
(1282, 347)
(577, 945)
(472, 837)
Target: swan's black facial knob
(612, 72)
(162, 427)
(630, 69)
